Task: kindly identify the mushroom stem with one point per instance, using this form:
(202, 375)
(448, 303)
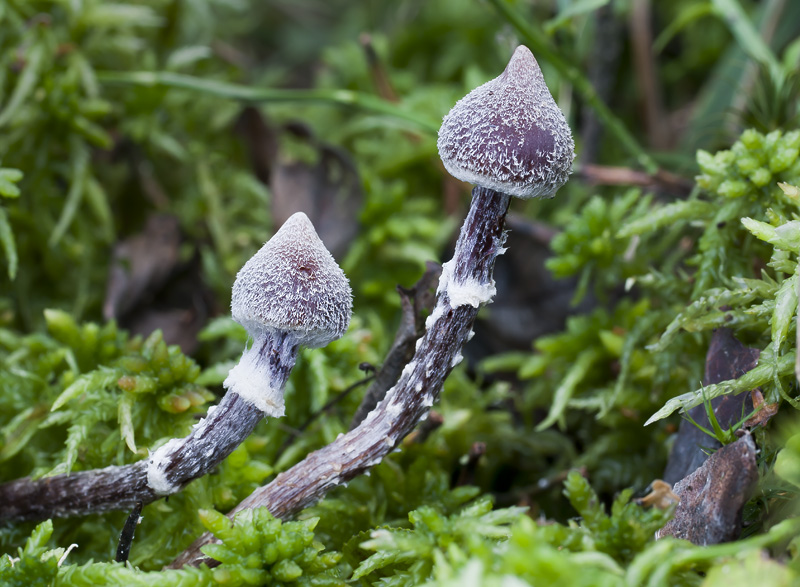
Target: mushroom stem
(466, 283)
(176, 463)
(269, 359)
(255, 389)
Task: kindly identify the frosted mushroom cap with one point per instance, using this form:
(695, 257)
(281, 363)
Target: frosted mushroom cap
(508, 134)
(292, 284)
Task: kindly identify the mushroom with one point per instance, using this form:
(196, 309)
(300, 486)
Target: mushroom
(508, 137)
(290, 293)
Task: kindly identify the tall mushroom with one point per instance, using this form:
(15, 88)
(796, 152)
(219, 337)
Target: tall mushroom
(510, 138)
(290, 293)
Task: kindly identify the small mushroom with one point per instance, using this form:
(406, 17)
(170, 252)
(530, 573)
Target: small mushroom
(509, 135)
(290, 293)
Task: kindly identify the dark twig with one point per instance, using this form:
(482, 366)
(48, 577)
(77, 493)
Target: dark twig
(426, 428)
(467, 278)
(647, 75)
(339, 397)
(377, 70)
(412, 303)
(126, 537)
(295, 432)
(467, 474)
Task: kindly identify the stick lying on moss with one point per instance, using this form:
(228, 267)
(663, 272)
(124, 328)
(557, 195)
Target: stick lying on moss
(290, 293)
(509, 137)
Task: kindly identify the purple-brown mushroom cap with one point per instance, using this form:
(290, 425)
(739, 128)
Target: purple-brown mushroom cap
(293, 284)
(508, 134)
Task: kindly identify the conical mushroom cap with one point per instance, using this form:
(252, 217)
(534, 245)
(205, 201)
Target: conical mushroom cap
(292, 284)
(508, 134)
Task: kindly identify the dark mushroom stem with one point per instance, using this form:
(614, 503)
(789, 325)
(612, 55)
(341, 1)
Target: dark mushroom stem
(466, 283)
(167, 470)
(225, 427)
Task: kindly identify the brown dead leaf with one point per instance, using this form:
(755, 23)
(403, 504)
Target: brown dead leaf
(261, 141)
(149, 287)
(141, 264)
(661, 496)
(764, 412)
(327, 189)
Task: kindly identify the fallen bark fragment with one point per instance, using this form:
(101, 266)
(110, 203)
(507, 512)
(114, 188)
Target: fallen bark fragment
(712, 498)
(727, 358)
